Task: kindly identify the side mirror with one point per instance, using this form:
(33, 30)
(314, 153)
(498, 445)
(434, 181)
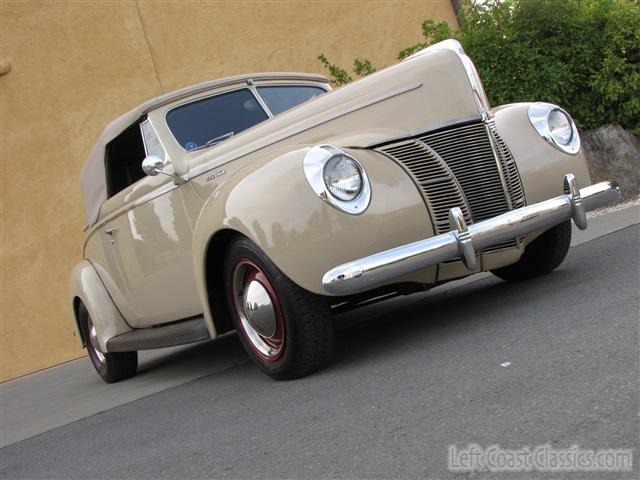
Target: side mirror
(152, 165)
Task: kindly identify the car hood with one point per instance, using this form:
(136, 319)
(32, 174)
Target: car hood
(424, 92)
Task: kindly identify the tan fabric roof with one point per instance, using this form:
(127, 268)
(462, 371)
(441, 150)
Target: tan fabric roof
(93, 180)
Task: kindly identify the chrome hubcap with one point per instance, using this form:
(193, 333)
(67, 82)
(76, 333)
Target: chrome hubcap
(258, 311)
(93, 338)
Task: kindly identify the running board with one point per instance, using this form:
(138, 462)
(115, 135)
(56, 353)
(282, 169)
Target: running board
(181, 333)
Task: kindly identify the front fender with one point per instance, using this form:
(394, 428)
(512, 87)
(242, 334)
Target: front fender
(85, 285)
(270, 202)
(542, 167)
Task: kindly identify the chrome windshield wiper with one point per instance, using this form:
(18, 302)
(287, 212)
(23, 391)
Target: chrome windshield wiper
(219, 139)
(214, 141)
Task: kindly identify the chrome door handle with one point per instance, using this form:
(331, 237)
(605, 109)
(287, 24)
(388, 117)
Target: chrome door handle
(110, 231)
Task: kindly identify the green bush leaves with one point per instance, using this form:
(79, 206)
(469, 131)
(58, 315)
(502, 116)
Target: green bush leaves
(581, 54)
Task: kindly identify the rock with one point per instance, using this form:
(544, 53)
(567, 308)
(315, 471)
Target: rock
(613, 153)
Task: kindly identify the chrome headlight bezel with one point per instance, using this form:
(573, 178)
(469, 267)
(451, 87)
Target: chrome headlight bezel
(539, 117)
(314, 164)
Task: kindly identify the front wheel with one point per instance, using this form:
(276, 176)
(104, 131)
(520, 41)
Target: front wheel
(285, 329)
(541, 256)
(112, 367)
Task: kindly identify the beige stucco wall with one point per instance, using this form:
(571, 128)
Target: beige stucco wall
(77, 65)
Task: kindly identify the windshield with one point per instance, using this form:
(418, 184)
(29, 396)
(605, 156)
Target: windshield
(211, 120)
(283, 97)
(196, 123)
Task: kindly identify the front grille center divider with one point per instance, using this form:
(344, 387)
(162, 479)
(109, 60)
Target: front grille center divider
(467, 166)
(499, 167)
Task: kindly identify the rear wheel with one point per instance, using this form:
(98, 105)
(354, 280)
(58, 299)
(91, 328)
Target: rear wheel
(541, 256)
(285, 329)
(112, 367)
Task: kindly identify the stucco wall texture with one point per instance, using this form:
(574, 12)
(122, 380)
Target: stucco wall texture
(75, 66)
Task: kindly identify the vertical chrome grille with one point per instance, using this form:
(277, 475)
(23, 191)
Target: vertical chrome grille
(434, 178)
(469, 154)
(512, 177)
(467, 166)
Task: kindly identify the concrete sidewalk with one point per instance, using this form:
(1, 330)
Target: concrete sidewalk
(42, 401)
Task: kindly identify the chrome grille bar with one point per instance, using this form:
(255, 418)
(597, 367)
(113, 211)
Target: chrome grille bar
(434, 178)
(512, 177)
(467, 166)
(467, 151)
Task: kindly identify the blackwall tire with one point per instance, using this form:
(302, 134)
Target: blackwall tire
(112, 367)
(286, 330)
(541, 256)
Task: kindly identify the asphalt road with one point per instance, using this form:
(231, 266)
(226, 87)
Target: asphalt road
(400, 388)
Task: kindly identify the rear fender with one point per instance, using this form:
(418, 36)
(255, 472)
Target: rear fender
(85, 286)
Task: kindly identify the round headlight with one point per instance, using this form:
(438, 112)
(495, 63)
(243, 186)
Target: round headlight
(560, 127)
(555, 125)
(338, 179)
(342, 177)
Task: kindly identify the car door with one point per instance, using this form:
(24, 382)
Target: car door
(151, 241)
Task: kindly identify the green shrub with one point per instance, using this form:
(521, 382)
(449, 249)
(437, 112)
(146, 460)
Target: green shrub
(432, 32)
(339, 76)
(581, 54)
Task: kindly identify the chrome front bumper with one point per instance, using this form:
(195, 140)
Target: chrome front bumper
(464, 240)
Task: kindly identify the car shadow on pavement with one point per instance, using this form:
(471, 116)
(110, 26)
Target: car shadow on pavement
(226, 346)
(433, 317)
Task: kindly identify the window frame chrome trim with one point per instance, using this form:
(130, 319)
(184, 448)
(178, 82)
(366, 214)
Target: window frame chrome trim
(264, 103)
(251, 85)
(167, 159)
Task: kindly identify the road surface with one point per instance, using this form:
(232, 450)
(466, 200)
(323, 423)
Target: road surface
(549, 361)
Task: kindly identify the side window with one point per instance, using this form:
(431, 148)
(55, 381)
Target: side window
(123, 161)
(151, 141)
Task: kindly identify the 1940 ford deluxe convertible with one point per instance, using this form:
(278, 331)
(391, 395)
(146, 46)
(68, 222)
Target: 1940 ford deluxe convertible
(266, 203)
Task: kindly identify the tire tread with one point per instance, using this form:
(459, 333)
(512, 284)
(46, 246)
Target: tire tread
(118, 365)
(542, 256)
(311, 324)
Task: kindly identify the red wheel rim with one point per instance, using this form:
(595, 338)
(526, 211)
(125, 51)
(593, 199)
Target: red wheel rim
(257, 310)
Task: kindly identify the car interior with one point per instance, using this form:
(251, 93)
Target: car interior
(123, 160)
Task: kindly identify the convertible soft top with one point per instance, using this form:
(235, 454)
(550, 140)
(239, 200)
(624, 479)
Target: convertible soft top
(93, 181)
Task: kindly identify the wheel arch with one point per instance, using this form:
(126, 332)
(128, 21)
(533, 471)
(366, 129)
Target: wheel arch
(86, 286)
(269, 201)
(230, 212)
(214, 282)
(75, 304)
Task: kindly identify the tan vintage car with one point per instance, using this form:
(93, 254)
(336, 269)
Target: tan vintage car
(267, 203)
